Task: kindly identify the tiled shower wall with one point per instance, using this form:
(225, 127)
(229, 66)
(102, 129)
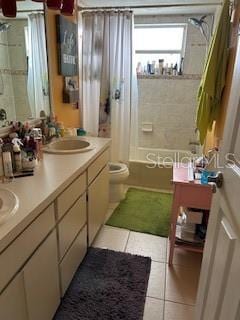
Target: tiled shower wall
(170, 103)
(13, 69)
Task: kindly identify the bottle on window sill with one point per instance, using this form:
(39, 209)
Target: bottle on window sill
(161, 63)
(153, 67)
(180, 73)
(148, 67)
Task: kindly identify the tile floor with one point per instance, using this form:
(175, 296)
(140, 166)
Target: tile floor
(171, 291)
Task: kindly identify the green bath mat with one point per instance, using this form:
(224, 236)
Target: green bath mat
(143, 211)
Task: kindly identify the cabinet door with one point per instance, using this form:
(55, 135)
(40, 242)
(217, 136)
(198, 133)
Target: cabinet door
(71, 224)
(42, 281)
(98, 197)
(12, 300)
(72, 259)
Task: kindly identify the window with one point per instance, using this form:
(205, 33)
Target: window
(155, 42)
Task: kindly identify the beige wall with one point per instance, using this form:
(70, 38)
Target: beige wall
(67, 113)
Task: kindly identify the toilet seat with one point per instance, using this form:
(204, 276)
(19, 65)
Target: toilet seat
(117, 167)
(118, 172)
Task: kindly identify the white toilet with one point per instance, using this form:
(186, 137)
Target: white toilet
(118, 174)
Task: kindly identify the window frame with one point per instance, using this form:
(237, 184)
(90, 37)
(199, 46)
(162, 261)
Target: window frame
(164, 25)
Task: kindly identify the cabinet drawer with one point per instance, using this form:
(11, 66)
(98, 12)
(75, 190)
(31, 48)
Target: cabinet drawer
(97, 166)
(71, 224)
(13, 258)
(70, 195)
(73, 259)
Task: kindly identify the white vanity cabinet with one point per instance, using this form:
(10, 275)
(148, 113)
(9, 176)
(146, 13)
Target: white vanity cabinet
(37, 267)
(30, 263)
(98, 196)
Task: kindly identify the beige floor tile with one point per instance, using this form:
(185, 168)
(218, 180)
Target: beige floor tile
(176, 311)
(187, 258)
(147, 245)
(153, 309)
(181, 284)
(112, 238)
(156, 284)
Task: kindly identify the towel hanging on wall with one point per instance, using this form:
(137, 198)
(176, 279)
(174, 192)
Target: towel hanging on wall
(214, 75)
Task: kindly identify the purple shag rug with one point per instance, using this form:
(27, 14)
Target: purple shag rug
(108, 285)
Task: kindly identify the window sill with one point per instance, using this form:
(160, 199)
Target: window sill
(170, 77)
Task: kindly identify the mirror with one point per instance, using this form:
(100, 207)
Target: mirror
(24, 85)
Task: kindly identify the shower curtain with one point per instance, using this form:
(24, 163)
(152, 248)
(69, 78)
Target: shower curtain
(37, 65)
(107, 78)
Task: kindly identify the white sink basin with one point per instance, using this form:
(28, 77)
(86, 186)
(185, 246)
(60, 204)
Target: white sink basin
(68, 146)
(9, 204)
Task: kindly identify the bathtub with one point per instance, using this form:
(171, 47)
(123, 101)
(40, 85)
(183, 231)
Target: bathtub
(152, 167)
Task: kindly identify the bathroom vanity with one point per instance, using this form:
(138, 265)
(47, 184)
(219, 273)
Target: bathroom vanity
(61, 209)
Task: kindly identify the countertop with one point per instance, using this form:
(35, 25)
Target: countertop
(52, 175)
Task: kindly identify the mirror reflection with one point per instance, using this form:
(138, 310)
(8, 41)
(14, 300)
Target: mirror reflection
(24, 85)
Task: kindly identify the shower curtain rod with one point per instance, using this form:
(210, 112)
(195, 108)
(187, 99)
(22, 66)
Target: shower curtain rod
(149, 6)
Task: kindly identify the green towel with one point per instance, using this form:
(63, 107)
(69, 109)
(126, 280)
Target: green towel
(214, 75)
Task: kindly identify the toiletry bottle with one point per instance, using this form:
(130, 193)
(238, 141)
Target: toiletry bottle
(7, 161)
(153, 67)
(180, 73)
(166, 69)
(17, 157)
(139, 68)
(175, 70)
(161, 62)
(148, 67)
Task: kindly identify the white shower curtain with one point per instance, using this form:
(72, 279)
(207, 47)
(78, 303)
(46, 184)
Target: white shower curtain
(107, 78)
(37, 65)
